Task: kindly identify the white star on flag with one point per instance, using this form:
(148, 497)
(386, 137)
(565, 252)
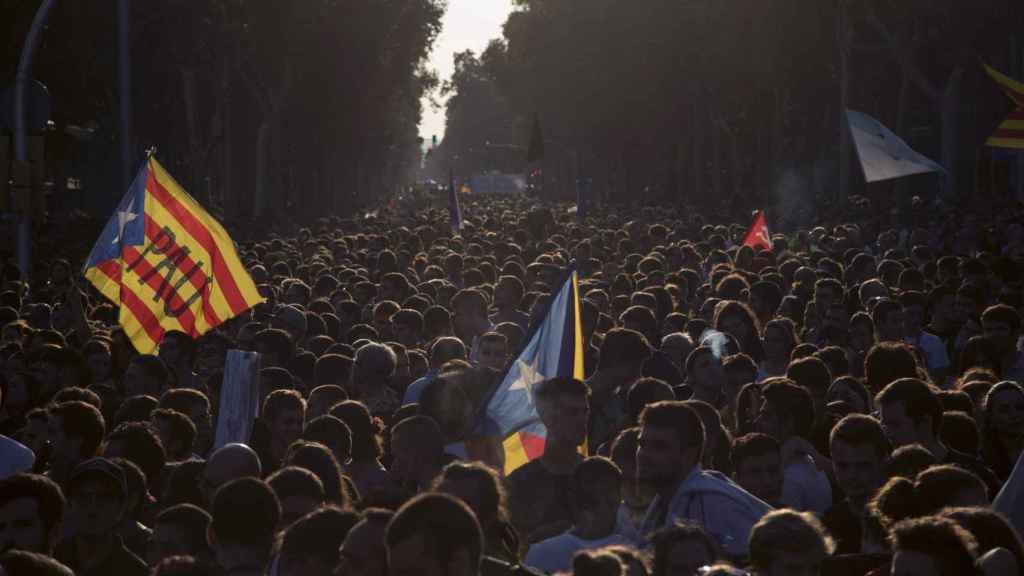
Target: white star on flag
(123, 219)
(528, 376)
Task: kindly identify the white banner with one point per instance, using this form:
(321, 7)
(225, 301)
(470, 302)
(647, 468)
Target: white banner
(239, 398)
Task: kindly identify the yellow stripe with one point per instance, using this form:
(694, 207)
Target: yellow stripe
(225, 245)
(1012, 125)
(577, 365)
(145, 292)
(110, 289)
(1005, 80)
(1005, 143)
(515, 453)
(197, 253)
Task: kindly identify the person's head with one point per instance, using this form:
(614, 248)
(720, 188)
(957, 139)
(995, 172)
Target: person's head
(196, 406)
(138, 442)
(851, 392)
(859, 449)
(246, 515)
(493, 350)
(311, 545)
(705, 374)
(469, 312)
(407, 325)
(374, 367)
(31, 563)
(779, 339)
(1001, 324)
(1004, 410)
(97, 496)
(908, 461)
(623, 352)
(932, 546)
(682, 548)
(284, 412)
(332, 433)
(887, 362)
(646, 391)
(363, 551)
(319, 460)
(787, 410)
(757, 466)
(434, 534)
(275, 347)
(786, 543)
(332, 369)
(446, 349)
(417, 451)
(910, 411)
(146, 375)
(31, 513)
(479, 487)
(563, 405)
(299, 492)
(597, 563)
(888, 318)
(595, 492)
(813, 375)
(990, 528)
(227, 463)
(178, 352)
(179, 530)
(176, 431)
(76, 430)
(322, 398)
(670, 445)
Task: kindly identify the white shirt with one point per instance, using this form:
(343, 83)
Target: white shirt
(555, 554)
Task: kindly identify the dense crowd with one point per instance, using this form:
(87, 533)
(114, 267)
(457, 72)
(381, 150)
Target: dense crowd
(849, 402)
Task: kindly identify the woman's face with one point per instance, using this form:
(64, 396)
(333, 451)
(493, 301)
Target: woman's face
(1006, 412)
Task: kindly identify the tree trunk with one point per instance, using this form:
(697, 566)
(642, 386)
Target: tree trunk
(262, 137)
(698, 160)
(950, 107)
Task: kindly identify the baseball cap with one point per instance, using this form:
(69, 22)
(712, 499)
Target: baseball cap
(104, 467)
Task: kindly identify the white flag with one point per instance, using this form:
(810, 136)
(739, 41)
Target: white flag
(883, 155)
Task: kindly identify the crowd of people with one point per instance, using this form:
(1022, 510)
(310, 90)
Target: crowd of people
(848, 402)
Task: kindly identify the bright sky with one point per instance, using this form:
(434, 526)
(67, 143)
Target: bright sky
(468, 25)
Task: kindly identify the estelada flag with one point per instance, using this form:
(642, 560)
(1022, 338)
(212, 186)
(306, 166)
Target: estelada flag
(759, 235)
(555, 349)
(167, 264)
(1009, 134)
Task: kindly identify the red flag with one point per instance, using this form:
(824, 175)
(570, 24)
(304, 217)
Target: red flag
(759, 235)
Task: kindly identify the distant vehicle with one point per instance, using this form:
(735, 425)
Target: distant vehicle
(497, 184)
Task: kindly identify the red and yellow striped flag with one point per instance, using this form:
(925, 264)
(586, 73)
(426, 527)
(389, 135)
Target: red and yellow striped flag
(167, 263)
(1009, 134)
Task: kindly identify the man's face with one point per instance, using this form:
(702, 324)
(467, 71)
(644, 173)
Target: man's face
(294, 295)
(800, 564)
(761, 475)
(66, 449)
(199, 413)
(660, 458)
(858, 469)
(708, 375)
(36, 434)
(163, 430)
(168, 540)
(911, 563)
(770, 422)
(566, 418)
(825, 296)
(891, 328)
(1001, 335)
(136, 382)
(913, 319)
(493, 355)
(405, 459)
(96, 505)
(287, 426)
(899, 428)
(21, 527)
(405, 335)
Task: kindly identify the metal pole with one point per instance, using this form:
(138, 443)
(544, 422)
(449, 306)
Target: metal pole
(21, 129)
(124, 90)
